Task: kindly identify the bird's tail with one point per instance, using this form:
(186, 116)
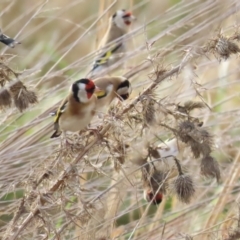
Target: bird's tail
(8, 41)
(56, 134)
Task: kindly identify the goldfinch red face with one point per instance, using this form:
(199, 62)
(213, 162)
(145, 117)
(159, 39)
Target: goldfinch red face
(122, 18)
(83, 90)
(154, 198)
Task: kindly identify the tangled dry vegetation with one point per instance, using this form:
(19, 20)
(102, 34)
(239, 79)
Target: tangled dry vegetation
(175, 141)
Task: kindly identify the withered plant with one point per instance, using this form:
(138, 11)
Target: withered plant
(164, 163)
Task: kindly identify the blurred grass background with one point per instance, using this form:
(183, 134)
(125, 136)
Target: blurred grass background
(57, 48)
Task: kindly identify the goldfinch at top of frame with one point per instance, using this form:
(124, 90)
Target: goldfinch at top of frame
(113, 44)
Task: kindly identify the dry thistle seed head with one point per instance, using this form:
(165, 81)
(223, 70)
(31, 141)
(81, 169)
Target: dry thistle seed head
(206, 149)
(210, 168)
(189, 106)
(199, 139)
(184, 129)
(5, 98)
(6, 72)
(197, 122)
(184, 188)
(32, 97)
(196, 148)
(235, 235)
(21, 96)
(225, 47)
(16, 87)
(201, 136)
(149, 111)
(20, 102)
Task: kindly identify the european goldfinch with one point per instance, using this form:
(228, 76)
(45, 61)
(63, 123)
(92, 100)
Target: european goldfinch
(154, 185)
(77, 110)
(7, 40)
(155, 188)
(112, 46)
(111, 87)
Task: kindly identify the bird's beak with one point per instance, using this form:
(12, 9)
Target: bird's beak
(99, 92)
(129, 15)
(133, 17)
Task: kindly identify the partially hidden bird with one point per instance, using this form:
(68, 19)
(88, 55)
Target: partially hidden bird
(154, 198)
(154, 186)
(113, 45)
(111, 88)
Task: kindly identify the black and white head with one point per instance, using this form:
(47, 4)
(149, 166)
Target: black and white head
(124, 89)
(122, 19)
(83, 90)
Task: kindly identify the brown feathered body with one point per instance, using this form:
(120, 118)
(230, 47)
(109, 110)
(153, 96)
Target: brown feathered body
(81, 114)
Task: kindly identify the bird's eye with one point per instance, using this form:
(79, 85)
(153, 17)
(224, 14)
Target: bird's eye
(114, 15)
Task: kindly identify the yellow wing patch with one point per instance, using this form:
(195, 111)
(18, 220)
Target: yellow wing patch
(103, 59)
(60, 111)
(100, 94)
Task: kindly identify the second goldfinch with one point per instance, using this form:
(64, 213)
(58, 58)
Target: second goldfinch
(113, 45)
(154, 184)
(10, 42)
(78, 109)
(111, 87)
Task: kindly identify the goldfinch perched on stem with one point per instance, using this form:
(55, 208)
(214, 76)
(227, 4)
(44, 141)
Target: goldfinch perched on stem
(10, 42)
(111, 87)
(78, 109)
(112, 46)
